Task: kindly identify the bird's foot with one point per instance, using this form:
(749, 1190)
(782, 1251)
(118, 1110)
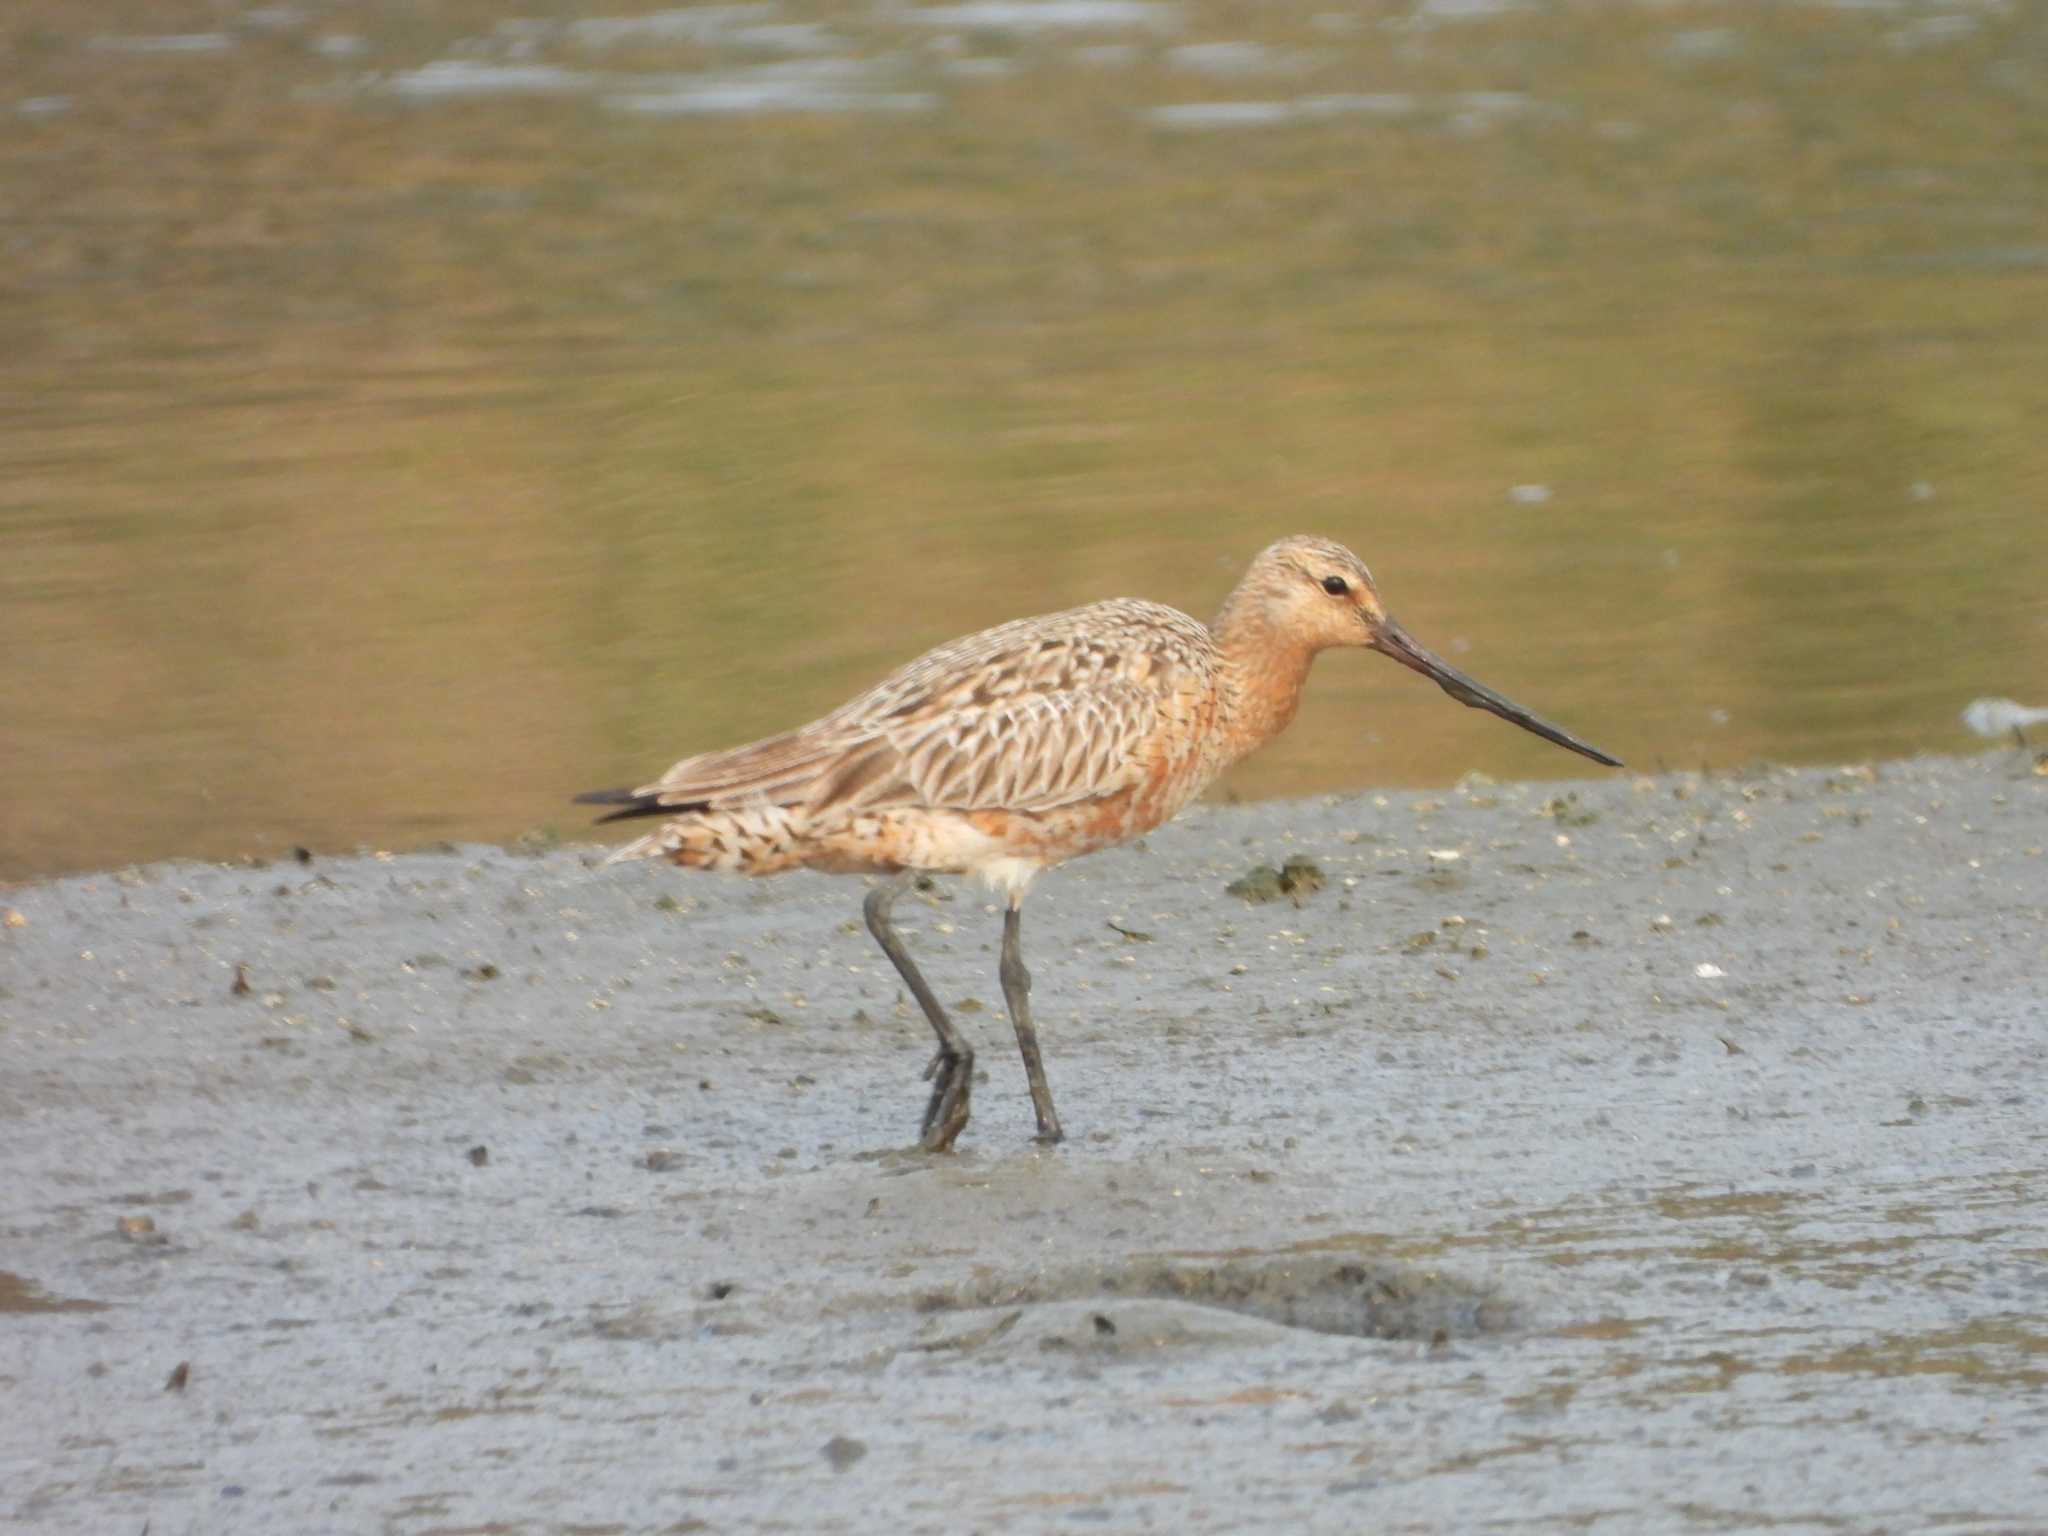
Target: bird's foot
(945, 1114)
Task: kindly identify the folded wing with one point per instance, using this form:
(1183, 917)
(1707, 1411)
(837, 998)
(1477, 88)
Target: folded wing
(1025, 717)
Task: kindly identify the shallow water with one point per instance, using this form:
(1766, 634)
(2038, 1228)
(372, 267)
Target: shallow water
(410, 419)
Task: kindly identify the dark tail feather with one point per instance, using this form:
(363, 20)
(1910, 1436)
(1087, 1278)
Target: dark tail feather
(634, 804)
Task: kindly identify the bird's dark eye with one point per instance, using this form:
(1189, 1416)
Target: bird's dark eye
(1336, 586)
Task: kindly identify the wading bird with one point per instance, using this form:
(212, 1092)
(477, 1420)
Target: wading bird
(1992, 718)
(1003, 753)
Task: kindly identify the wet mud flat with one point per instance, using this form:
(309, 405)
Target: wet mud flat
(1657, 1154)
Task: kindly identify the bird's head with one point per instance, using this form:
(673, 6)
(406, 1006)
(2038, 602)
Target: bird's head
(1318, 594)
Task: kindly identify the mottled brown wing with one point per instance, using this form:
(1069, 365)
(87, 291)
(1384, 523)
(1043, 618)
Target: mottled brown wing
(1029, 752)
(1027, 716)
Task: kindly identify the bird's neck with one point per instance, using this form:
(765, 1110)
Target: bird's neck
(1263, 673)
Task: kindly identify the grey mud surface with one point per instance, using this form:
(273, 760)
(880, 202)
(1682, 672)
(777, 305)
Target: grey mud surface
(1670, 1159)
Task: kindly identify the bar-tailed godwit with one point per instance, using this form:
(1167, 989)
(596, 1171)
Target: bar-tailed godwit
(1006, 752)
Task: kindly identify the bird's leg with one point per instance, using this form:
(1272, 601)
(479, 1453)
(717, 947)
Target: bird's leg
(1017, 993)
(952, 1070)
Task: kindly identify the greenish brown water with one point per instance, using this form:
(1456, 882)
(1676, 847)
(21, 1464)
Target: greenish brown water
(384, 457)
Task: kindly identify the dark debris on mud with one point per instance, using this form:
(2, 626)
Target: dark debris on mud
(1333, 1294)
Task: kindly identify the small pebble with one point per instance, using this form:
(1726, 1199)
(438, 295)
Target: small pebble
(842, 1452)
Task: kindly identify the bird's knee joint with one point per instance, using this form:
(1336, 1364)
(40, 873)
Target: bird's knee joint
(876, 908)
